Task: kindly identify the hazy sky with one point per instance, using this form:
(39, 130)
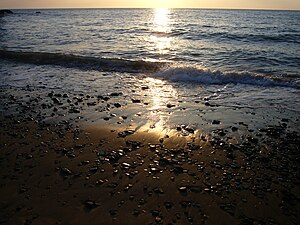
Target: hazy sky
(249, 4)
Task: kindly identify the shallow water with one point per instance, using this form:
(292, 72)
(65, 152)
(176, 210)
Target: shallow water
(259, 42)
(226, 65)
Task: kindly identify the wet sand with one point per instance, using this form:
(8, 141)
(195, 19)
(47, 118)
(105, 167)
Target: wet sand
(57, 167)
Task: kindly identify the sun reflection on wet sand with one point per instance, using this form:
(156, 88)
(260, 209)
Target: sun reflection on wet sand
(159, 94)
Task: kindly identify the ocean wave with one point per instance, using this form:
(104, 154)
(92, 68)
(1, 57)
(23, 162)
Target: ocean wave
(208, 77)
(272, 38)
(81, 62)
(162, 70)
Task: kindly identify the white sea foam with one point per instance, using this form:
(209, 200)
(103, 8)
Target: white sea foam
(206, 76)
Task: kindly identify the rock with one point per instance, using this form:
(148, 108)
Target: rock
(91, 104)
(234, 129)
(158, 219)
(116, 94)
(125, 133)
(182, 189)
(91, 204)
(190, 130)
(215, 122)
(117, 105)
(56, 100)
(125, 165)
(65, 172)
(94, 169)
(158, 190)
(178, 170)
(74, 110)
(5, 11)
(168, 205)
(105, 98)
(136, 101)
(144, 87)
(169, 105)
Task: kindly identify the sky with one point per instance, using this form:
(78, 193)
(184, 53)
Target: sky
(232, 4)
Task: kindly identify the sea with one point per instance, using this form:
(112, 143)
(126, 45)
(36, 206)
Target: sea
(235, 59)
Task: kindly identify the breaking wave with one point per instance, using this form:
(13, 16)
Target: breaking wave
(206, 76)
(161, 70)
(81, 62)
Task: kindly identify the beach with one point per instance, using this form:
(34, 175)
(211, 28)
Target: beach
(109, 134)
(62, 164)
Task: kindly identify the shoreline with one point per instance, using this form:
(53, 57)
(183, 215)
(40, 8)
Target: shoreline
(70, 170)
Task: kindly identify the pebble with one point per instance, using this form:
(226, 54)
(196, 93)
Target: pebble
(91, 204)
(182, 189)
(216, 122)
(65, 171)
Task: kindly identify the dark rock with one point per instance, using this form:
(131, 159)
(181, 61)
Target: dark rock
(182, 189)
(56, 100)
(5, 11)
(216, 122)
(234, 129)
(145, 87)
(158, 190)
(91, 204)
(207, 103)
(169, 105)
(125, 133)
(74, 110)
(65, 172)
(168, 205)
(155, 213)
(125, 165)
(91, 103)
(117, 105)
(136, 101)
(190, 130)
(116, 94)
(178, 170)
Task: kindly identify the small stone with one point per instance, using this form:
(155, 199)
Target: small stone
(158, 190)
(136, 101)
(144, 87)
(158, 219)
(168, 205)
(182, 189)
(116, 94)
(91, 204)
(234, 129)
(169, 105)
(56, 100)
(65, 172)
(216, 122)
(117, 105)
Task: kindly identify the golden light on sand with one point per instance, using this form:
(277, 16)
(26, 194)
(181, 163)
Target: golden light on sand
(160, 94)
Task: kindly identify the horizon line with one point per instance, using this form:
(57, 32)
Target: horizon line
(212, 8)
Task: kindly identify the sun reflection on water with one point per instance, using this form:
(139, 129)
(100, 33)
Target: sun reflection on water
(161, 20)
(160, 32)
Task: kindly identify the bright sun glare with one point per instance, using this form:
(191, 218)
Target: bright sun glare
(160, 29)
